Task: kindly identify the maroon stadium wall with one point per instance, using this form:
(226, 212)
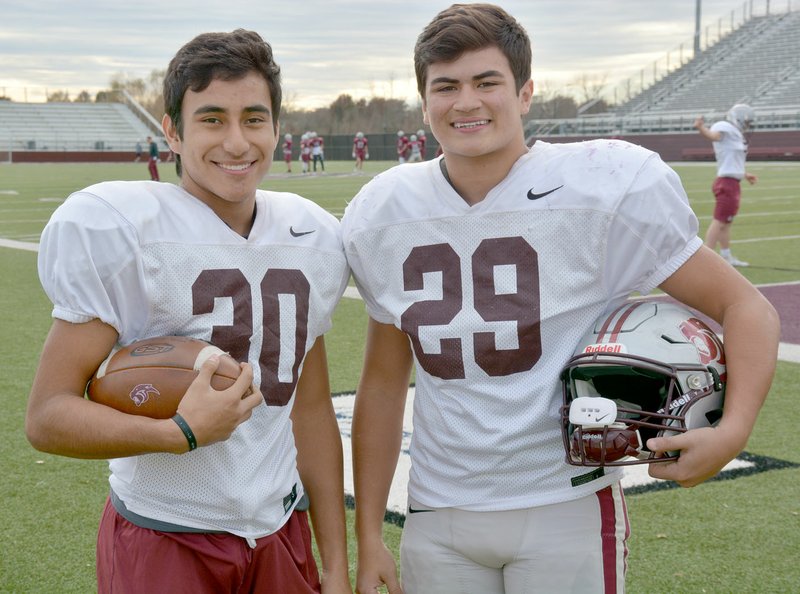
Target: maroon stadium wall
(764, 145)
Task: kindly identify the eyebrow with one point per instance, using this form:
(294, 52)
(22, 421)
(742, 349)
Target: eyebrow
(486, 74)
(258, 108)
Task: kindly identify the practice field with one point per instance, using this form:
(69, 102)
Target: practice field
(734, 535)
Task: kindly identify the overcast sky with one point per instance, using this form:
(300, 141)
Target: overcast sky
(329, 47)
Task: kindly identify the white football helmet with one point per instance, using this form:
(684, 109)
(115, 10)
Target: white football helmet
(647, 369)
(742, 116)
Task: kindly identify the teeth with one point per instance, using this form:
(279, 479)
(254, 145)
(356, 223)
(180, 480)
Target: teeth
(241, 167)
(471, 124)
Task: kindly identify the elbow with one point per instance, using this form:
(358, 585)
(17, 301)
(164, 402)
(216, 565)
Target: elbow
(38, 434)
(35, 436)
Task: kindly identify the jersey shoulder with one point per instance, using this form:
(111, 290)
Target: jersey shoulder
(397, 194)
(293, 218)
(595, 174)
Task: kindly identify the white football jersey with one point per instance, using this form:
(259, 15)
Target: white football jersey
(494, 298)
(730, 151)
(151, 260)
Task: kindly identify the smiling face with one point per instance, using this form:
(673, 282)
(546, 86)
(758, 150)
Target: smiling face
(226, 144)
(473, 107)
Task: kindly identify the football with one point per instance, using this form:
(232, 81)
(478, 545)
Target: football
(619, 443)
(149, 377)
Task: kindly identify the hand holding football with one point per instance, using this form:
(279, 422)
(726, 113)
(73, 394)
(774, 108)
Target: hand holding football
(150, 377)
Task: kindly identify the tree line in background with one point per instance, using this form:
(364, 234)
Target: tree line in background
(346, 115)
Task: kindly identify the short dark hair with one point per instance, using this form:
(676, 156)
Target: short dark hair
(471, 27)
(224, 56)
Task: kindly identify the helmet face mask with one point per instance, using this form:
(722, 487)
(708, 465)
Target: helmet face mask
(659, 372)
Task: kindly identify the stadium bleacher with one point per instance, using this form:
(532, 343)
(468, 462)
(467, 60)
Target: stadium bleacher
(73, 127)
(756, 62)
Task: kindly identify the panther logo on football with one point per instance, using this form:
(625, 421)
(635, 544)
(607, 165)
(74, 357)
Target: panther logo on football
(141, 393)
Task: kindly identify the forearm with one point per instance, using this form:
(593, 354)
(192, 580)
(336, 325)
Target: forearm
(751, 333)
(321, 468)
(69, 425)
(377, 438)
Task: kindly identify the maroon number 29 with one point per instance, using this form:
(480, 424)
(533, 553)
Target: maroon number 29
(521, 306)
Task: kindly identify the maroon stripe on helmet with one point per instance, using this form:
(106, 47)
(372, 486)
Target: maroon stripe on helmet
(620, 321)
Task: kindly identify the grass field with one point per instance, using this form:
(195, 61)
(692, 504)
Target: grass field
(727, 536)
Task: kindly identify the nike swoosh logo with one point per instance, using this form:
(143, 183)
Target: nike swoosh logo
(533, 196)
(411, 510)
(598, 419)
(299, 233)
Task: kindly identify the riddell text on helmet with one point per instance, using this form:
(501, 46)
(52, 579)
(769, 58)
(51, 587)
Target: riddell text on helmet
(612, 347)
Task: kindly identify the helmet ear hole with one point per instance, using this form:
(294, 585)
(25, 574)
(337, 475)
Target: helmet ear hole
(713, 416)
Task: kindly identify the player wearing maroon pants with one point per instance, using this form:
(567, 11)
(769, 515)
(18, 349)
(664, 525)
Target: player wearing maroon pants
(207, 501)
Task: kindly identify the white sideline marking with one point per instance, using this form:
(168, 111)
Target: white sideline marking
(19, 245)
(634, 475)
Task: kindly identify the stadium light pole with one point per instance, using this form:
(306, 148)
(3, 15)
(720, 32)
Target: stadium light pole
(697, 27)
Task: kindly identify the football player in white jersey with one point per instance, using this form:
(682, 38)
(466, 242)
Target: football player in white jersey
(484, 268)
(730, 149)
(257, 273)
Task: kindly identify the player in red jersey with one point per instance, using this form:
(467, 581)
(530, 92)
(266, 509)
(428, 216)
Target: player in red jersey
(403, 147)
(287, 152)
(423, 139)
(360, 150)
(305, 151)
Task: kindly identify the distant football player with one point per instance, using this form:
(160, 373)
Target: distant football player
(415, 149)
(485, 268)
(403, 148)
(730, 138)
(360, 150)
(305, 152)
(317, 151)
(287, 152)
(206, 501)
(423, 139)
(152, 159)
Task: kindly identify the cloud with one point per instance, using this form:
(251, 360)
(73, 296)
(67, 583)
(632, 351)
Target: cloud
(361, 47)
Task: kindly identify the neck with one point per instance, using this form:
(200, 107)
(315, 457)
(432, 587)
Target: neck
(474, 177)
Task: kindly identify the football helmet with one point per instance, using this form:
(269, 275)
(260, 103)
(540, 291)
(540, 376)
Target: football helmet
(647, 369)
(742, 116)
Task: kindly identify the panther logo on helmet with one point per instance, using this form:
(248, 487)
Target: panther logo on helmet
(708, 344)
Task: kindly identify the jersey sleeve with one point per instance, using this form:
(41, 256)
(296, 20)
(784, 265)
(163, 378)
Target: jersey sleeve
(89, 265)
(653, 233)
(353, 223)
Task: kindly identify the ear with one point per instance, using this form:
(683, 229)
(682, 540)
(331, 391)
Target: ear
(171, 134)
(526, 97)
(425, 119)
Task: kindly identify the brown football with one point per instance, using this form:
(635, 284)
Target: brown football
(149, 377)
